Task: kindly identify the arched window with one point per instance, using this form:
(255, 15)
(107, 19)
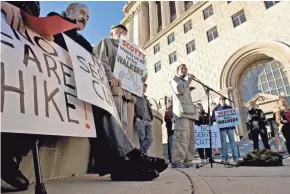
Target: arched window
(264, 76)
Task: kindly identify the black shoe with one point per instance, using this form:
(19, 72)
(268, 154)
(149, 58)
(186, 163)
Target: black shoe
(18, 181)
(134, 175)
(148, 162)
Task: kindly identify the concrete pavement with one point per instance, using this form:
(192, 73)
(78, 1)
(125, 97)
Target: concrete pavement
(206, 180)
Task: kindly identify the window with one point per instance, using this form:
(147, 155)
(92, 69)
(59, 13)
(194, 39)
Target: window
(187, 4)
(264, 76)
(170, 38)
(172, 9)
(159, 16)
(172, 58)
(187, 26)
(212, 34)
(190, 47)
(157, 66)
(269, 4)
(239, 18)
(208, 12)
(156, 48)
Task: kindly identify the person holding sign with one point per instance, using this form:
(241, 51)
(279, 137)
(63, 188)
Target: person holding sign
(226, 132)
(203, 120)
(283, 120)
(112, 151)
(256, 120)
(107, 52)
(184, 116)
(15, 146)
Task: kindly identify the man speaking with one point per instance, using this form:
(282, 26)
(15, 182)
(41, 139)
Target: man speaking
(183, 119)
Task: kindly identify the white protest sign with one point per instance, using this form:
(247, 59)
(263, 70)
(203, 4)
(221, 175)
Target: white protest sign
(38, 91)
(227, 118)
(130, 67)
(202, 136)
(91, 80)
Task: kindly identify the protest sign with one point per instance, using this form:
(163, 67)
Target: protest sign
(38, 91)
(91, 80)
(202, 136)
(130, 67)
(227, 118)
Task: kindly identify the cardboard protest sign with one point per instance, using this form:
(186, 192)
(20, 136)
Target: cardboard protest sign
(202, 136)
(130, 67)
(38, 90)
(227, 118)
(91, 80)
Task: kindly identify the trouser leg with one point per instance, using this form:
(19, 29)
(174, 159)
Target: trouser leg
(191, 143)
(207, 153)
(111, 133)
(224, 148)
(170, 146)
(181, 139)
(264, 137)
(121, 105)
(255, 138)
(286, 133)
(201, 153)
(231, 136)
(148, 137)
(140, 127)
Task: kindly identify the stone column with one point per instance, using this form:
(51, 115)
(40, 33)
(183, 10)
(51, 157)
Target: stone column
(165, 12)
(152, 18)
(180, 8)
(143, 24)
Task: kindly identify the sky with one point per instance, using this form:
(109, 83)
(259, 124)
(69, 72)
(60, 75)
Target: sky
(100, 21)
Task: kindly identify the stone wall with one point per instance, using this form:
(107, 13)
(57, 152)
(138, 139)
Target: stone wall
(69, 156)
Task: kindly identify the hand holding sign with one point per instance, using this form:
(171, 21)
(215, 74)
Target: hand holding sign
(227, 118)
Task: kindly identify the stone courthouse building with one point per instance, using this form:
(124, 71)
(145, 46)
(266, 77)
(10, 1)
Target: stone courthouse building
(240, 49)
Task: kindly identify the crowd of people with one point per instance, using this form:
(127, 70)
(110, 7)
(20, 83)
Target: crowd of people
(113, 152)
(180, 118)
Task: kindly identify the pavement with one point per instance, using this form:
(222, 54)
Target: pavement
(206, 180)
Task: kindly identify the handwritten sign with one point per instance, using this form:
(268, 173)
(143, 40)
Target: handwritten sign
(38, 90)
(130, 67)
(202, 139)
(91, 80)
(227, 118)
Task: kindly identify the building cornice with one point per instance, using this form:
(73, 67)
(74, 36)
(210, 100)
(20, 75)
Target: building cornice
(127, 18)
(128, 6)
(173, 24)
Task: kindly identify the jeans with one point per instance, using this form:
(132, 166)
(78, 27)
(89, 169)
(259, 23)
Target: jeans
(145, 134)
(231, 135)
(170, 145)
(121, 105)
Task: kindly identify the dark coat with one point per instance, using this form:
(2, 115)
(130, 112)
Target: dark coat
(203, 118)
(256, 115)
(139, 108)
(73, 34)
